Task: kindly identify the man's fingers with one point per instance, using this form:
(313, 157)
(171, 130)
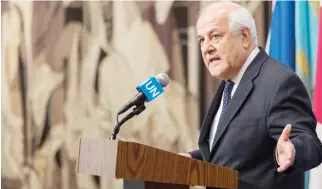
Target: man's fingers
(286, 164)
(290, 152)
(286, 155)
(286, 159)
(286, 132)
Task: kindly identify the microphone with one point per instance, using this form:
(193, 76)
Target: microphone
(148, 91)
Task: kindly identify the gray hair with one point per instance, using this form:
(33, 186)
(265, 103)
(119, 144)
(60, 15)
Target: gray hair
(240, 18)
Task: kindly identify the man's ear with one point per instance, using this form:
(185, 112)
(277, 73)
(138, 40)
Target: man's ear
(246, 33)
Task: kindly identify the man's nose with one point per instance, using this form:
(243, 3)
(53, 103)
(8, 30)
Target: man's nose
(208, 47)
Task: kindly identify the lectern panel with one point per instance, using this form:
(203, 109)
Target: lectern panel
(138, 162)
(97, 157)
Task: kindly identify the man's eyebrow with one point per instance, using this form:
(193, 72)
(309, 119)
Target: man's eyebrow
(199, 36)
(209, 32)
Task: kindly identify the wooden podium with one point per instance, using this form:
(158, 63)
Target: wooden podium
(155, 168)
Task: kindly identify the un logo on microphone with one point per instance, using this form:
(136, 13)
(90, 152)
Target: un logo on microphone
(151, 88)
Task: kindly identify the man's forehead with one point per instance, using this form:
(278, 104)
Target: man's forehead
(209, 29)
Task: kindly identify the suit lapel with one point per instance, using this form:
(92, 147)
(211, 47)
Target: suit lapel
(243, 90)
(236, 102)
(205, 129)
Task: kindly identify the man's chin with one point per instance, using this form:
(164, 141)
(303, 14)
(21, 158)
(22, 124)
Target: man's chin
(217, 75)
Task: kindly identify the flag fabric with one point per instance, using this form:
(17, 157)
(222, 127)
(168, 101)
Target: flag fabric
(281, 41)
(306, 37)
(316, 173)
(293, 40)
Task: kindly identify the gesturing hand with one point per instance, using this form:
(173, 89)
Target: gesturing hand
(285, 150)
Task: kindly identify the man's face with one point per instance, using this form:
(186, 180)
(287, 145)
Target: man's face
(222, 52)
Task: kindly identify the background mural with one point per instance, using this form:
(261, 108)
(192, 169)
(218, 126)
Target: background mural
(68, 67)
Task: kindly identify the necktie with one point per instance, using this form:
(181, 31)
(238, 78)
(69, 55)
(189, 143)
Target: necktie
(227, 95)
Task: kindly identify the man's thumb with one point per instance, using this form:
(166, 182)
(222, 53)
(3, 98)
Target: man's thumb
(286, 132)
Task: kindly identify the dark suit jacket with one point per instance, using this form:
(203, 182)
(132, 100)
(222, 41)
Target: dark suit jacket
(269, 97)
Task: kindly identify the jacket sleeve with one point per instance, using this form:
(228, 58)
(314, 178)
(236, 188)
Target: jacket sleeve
(291, 105)
(196, 154)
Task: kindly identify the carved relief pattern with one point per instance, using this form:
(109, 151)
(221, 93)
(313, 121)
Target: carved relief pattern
(67, 68)
(65, 74)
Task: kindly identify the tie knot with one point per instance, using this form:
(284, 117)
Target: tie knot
(229, 82)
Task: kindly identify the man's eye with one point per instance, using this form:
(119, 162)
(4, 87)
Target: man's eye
(200, 40)
(215, 36)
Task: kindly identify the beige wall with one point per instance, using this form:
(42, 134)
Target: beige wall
(67, 68)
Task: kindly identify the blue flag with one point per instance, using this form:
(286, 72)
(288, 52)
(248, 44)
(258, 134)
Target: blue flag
(281, 42)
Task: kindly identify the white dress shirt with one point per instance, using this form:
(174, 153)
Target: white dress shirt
(236, 81)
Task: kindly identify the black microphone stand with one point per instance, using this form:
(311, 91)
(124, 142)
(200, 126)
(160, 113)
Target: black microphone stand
(136, 111)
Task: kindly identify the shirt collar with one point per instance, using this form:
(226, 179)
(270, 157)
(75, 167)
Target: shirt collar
(242, 70)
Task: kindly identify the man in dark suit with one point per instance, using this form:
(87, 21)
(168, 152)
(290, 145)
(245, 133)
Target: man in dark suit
(260, 122)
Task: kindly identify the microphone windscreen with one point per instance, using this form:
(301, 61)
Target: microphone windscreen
(163, 79)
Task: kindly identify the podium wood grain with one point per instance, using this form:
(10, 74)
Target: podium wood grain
(142, 162)
(134, 161)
